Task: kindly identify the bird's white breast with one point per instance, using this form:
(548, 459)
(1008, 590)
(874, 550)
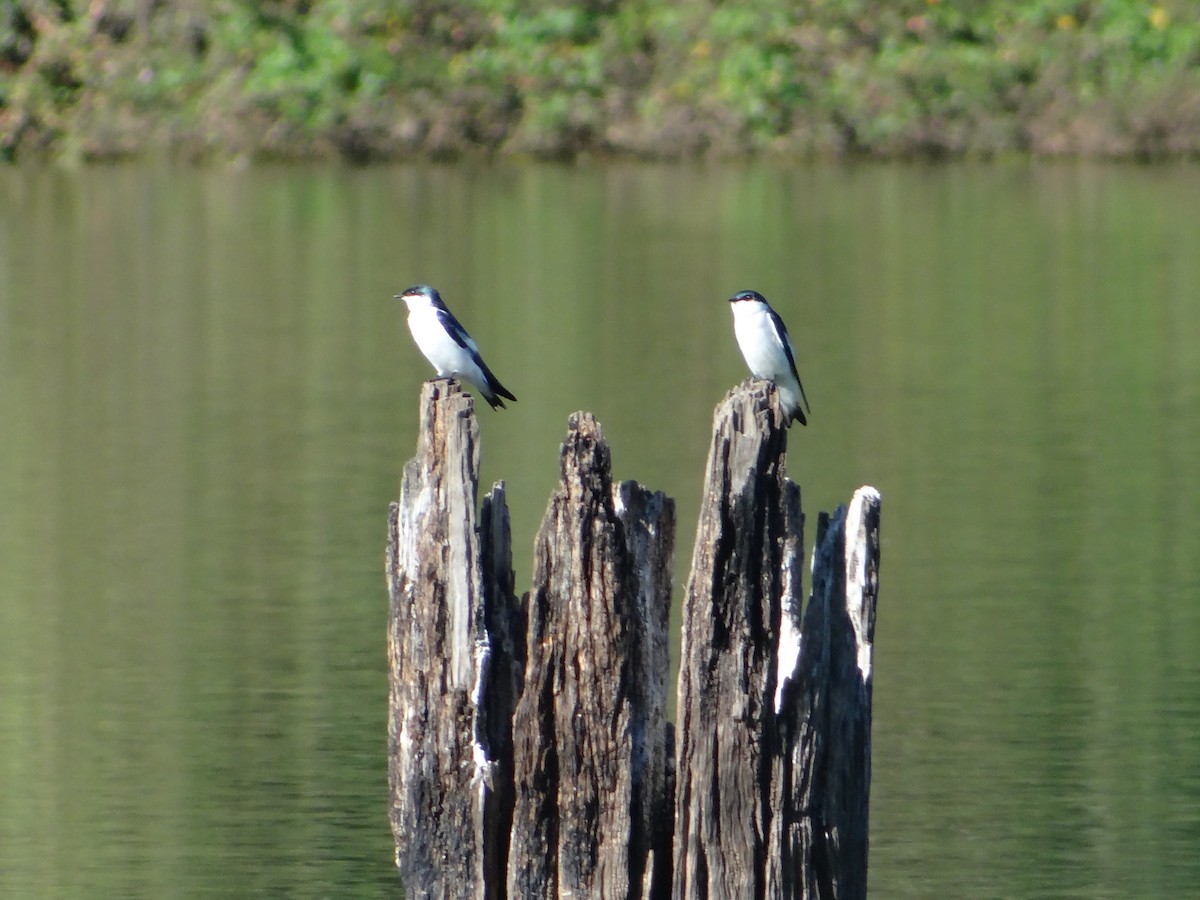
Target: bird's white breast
(758, 341)
(439, 347)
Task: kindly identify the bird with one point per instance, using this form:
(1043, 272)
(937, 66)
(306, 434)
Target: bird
(446, 344)
(764, 342)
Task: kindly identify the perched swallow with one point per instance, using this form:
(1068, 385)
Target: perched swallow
(764, 341)
(447, 345)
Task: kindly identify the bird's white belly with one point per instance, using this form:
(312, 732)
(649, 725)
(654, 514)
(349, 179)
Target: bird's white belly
(764, 354)
(448, 357)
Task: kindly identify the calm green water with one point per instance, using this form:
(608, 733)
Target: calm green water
(207, 395)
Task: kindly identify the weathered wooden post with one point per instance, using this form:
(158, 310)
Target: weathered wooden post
(592, 742)
(826, 705)
(588, 747)
(529, 750)
(456, 639)
(774, 729)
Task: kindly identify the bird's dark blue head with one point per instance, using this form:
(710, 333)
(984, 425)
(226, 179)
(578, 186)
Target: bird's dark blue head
(747, 295)
(424, 292)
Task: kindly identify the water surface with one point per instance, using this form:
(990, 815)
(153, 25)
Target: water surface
(207, 395)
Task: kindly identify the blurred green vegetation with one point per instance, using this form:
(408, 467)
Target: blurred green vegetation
(368, 79)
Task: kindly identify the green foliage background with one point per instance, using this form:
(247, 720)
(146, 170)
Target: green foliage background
(368, 79)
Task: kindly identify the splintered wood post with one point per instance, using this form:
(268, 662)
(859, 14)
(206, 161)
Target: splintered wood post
(774, 706)
(749, 537)
(455, 651)
(591, 741)
(828, 702)
(529, 749)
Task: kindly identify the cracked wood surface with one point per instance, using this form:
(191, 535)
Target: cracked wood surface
(592, 743)
(773, 772)
(529, 749)
(455, 649)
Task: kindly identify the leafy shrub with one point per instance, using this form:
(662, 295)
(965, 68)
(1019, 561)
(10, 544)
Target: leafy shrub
(375, 77)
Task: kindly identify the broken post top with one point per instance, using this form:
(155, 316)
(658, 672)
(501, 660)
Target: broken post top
(453, 399)
(448, 422)
(584, 451)
(754, 403)
(749, 437)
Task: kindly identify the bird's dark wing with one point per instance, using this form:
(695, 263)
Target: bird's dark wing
(786, 340)
(493, 382)
(455, 330)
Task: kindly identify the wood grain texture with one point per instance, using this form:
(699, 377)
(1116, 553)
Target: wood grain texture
(530, 754)
(773, 770)
(455, 646)
(591, 741)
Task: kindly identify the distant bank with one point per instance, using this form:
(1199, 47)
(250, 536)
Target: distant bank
(375, 80)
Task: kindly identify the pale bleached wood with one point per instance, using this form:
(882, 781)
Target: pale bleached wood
(454, 627)
(831, 711)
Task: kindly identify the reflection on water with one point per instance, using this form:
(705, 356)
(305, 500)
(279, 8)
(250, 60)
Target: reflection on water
(207, 394)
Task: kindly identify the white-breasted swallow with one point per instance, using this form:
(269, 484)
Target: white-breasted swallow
(768, 350)
(447, 345)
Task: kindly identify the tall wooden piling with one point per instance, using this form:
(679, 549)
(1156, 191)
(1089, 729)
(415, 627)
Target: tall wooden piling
(591, 739)
(456, 639)
(774, 729)
(529, 749)
(732, 786)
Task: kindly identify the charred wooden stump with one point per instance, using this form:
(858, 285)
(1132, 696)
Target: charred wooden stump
(592, 742)
(456, 637)
(774, 727)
